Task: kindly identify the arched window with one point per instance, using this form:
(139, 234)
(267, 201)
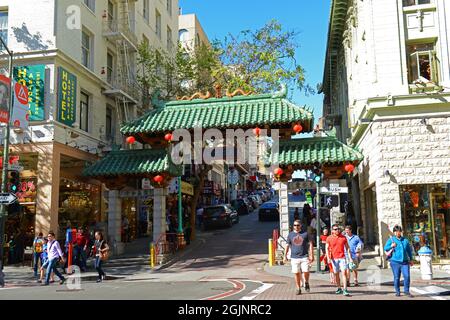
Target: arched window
(183, 35)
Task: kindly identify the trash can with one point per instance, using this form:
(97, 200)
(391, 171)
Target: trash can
(426, 268)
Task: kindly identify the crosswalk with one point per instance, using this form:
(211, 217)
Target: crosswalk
(435, 292)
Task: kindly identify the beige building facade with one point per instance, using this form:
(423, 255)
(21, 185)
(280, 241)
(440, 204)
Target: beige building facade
(387, 92)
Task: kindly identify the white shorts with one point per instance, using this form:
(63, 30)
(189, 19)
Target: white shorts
(300, 265)
(339, 265)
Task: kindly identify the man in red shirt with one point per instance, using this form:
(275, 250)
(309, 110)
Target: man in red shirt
(82, 242)
(335, 250)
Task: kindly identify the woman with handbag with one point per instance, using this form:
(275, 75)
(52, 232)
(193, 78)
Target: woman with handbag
(399, 253)
(101, 254)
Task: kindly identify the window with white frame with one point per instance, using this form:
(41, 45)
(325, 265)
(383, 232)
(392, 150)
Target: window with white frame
(183, 35)
(158, 24)
(408, 3)
(422, 63)
(146, 11)
(109, 67)
(90, 4)
(84, 111)
(169, 7)
(86, 49)
(109, 125)
(110, 10)
(4, 26)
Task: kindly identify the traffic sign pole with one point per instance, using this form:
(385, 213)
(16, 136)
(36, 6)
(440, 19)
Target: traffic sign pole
(318, 225)
(5, 163)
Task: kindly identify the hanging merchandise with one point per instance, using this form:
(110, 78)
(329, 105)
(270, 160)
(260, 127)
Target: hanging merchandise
(415, 198)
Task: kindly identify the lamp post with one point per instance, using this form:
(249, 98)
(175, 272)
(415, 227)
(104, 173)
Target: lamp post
(5, 162)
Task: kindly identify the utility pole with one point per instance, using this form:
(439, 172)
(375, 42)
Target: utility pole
(318, 224)
(5, 162)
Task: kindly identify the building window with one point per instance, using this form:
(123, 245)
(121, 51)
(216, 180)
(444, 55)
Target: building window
(110, 130)
(407, 3)
(86, 49)
(109, 67)
(146, 11)
(84, 111)
(90, 4)
(169, 39)
(183, 35)
(169, 7)
(158, 24)
(422, 66)
(4, 26)
(110, 11)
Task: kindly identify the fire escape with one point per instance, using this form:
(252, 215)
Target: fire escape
(118, 29)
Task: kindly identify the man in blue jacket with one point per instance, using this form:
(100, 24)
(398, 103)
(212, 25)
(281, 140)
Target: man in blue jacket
(399, 253)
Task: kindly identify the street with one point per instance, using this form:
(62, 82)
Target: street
(224, 264)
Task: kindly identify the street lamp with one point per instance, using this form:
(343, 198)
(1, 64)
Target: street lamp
(5, 162)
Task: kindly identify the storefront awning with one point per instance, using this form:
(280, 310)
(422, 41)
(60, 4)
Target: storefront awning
(143, 162)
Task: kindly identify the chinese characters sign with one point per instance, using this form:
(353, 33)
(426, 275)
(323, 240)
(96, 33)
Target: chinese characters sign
(67, 96)
(33, 77)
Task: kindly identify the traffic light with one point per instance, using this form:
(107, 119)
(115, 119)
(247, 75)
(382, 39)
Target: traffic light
(318, 178)
(14, 181)
(317, 174)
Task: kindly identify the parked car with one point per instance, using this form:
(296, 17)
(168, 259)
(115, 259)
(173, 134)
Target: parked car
(240, 206)
(219, 215)
(269, 211)
(253, 201)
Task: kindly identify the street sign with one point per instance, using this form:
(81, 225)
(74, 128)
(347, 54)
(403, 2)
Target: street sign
(233, 177)
(292, 186)
(334, 189)
(296, 204)
(7, 198)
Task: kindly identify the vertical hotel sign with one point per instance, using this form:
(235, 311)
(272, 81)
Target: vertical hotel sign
(67, 96)
(33, 77)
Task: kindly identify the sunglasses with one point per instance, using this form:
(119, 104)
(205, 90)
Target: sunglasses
(335, 229)
(296, 225)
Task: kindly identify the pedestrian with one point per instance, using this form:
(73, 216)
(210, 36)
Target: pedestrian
(38, 248)
(336, 246)
(54, 255)
(323, 243)
(400, 259)
(302, 256)
(101, 254)
(11, 250)
(81, 249)
(44, 265)
(126, 227)
(355, 243)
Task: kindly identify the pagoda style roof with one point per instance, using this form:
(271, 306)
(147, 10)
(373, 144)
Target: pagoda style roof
(304, 152)
(142, 162)
(264, 110)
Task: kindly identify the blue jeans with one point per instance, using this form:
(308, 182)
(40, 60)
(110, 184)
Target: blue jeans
(36, 258)
(98, 267)
(397, 270)
(52, 268)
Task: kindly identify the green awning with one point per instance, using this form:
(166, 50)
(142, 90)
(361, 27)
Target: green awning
(324, 150)
(221, 113)
(141, 162)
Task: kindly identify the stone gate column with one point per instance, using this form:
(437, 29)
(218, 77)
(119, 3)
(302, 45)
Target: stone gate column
(159, 212)
(115, 222)
(284, 211)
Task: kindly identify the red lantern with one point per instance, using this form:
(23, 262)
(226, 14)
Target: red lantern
(278, 171)
(445, 205)
(131, 140)
(298, 128)
(349, 168)
(158, 178)
(257, 131)
(168, 137)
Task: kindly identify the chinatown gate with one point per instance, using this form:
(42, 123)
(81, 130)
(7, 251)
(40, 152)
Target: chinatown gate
(239, 110)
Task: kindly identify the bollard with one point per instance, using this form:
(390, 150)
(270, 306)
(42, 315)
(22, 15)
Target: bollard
(270, 253)
(152, 255)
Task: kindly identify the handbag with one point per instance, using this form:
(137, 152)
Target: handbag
(104, 255)
(389, 252)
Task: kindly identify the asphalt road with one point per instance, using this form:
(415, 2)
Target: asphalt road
(227, 265)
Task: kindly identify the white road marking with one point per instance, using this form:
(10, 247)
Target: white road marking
(252, 295)
(424, 292)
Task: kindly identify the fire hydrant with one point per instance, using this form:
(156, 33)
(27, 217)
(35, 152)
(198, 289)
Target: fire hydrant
(426, 268)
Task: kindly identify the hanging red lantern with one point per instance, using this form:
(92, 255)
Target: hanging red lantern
(298, 128)
(158, 179)
(278, 171)
(445, 205)
(168, 137)
(131, 140)
(349, 168)
(257, 131)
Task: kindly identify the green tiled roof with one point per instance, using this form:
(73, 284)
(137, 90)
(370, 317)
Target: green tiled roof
(237, 112)
(133, 162)
(306, 151)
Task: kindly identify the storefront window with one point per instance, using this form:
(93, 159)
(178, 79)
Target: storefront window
(426, 217)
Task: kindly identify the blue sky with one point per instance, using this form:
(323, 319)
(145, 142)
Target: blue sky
(308, 17)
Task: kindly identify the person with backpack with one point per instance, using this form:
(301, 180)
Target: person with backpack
(54, 255)
(355, 243)
(101, 254)
(38, 248)
(399, 253)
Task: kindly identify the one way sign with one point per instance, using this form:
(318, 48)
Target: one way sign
(7, 198)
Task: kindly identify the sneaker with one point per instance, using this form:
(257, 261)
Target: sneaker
(307, 287)
(104, 276)
(409, 295)
(62, 281)
(345, 293)
(98, 280)
(339, 291)
(39, 281)
(397, 294)
(45, 284)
